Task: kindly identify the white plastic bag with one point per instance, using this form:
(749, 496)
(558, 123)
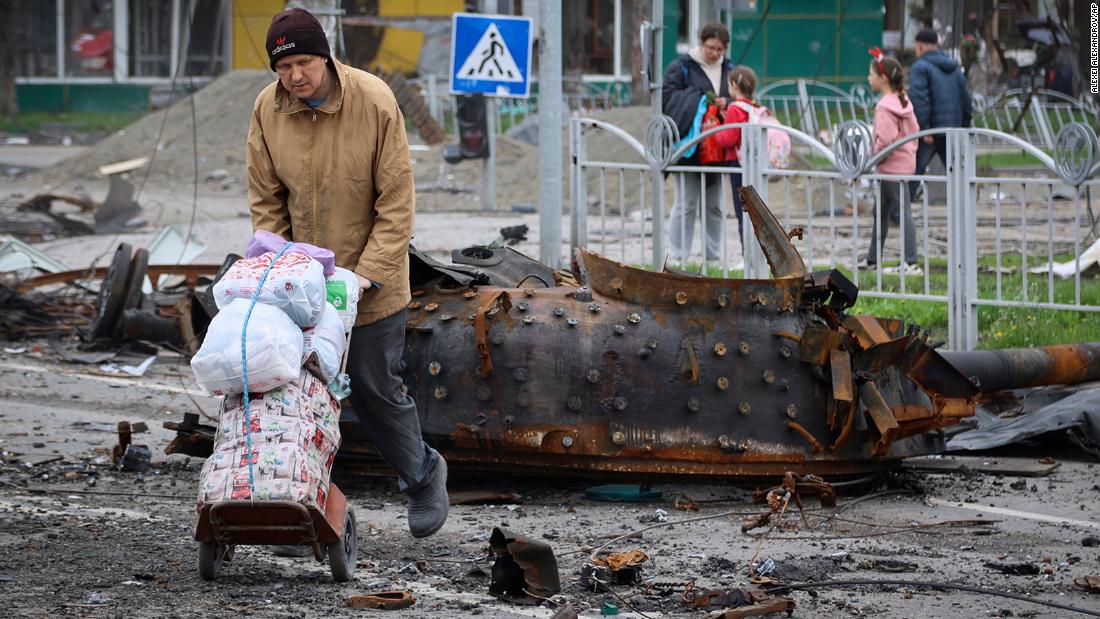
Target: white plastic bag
(328, 340)
(343, 294)
(274, 350)
(295, 285)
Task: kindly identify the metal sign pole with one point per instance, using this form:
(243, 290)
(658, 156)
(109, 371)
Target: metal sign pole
(489, 169)
(656, 73)
(550, 117)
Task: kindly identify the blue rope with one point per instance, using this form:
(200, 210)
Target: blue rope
(244, 369)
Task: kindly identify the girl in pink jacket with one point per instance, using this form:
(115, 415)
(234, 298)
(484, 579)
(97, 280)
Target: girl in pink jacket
(894, 119)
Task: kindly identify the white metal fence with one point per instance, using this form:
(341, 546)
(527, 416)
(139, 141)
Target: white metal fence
(509, 112)
(1036, 116)
(967, 221)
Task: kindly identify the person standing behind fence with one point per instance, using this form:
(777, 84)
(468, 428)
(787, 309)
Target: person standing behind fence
(894, 119)
(742, 85)
(688, 79)
(940, 98)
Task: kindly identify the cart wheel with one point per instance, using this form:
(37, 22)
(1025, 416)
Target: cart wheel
(210, 560)
(343, 555)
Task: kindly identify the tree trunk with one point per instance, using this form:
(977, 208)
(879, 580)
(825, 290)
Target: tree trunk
(11, 35)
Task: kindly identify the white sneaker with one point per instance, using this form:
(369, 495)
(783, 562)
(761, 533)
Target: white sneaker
(913, 269)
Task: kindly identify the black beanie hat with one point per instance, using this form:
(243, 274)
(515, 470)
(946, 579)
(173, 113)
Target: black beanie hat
(928, 36)
(295, 31)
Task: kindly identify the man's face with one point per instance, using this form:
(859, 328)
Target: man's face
(922, 48)
(302, 74)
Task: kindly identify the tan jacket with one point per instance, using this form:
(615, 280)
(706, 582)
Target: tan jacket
(338, 177)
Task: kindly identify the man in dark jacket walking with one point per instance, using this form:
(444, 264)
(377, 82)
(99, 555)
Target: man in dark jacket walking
(937, 88)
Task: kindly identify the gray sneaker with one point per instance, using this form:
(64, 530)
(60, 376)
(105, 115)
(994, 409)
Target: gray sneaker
(429, 504)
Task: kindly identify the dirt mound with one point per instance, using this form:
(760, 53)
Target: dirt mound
(222, 111)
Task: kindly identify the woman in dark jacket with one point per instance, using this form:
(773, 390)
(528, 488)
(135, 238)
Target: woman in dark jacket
(701, 71)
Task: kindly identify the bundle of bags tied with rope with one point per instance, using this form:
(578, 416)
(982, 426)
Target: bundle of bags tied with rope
(276, 351)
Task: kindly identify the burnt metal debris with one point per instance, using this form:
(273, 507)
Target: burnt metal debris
(614, 370)
(609, 370)
(525, 570)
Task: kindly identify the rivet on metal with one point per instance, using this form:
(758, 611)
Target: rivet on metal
(762, 299)
(619, 329)
(520, 374)
(617, 438)
(528, 292)
(414, 305)
(469, 294)
(582, 294)
(559, 311)
(445, 317)
(785, 385)
(617, 284)
(723, 383)
(573, 403)
(567, 441)
(484, 393)
(681, 298)
(744, 348)
(619, 403)
(508, 421)
(402, 365)
(652, 344)
(724, 442)
(784, 352)
(723, 300)
(693, 405)
(528, 320)
(744, 408)
(634, 318)
(572, 322)
(769, 376)
(595, 308)
(592, 376)
(523, 307)
(434, 368)
(431, 307)
(644, 353)
(792, 411)
(440, 392)
(404, 389)
(720, 349)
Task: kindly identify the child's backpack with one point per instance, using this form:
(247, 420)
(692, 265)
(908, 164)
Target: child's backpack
(779, 141)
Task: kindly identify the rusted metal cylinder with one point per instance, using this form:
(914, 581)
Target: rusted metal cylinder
(1015, 368)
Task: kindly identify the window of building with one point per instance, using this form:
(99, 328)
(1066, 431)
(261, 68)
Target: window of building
(89, 38)
(37, 54)
(604, 37)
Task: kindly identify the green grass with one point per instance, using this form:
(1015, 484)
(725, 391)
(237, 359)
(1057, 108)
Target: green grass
(80, 121)
(1007, 159)
(999, 327)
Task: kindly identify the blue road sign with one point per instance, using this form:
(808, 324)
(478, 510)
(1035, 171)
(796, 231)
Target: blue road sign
(491, 54)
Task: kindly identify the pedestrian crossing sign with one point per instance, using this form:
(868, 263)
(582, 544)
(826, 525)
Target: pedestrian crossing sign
(491, 54)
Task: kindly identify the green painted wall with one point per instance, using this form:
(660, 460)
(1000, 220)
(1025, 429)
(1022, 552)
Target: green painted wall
(82, 97)
(799, 39)
(807, 38)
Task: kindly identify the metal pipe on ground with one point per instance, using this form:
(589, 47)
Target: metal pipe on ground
(1016, 368)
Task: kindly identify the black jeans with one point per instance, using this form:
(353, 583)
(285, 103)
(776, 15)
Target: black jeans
(738, 209)
(925, 153)
(892, 211)
(386, 414)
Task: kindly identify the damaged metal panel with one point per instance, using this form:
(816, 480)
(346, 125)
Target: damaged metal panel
(629, 371)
